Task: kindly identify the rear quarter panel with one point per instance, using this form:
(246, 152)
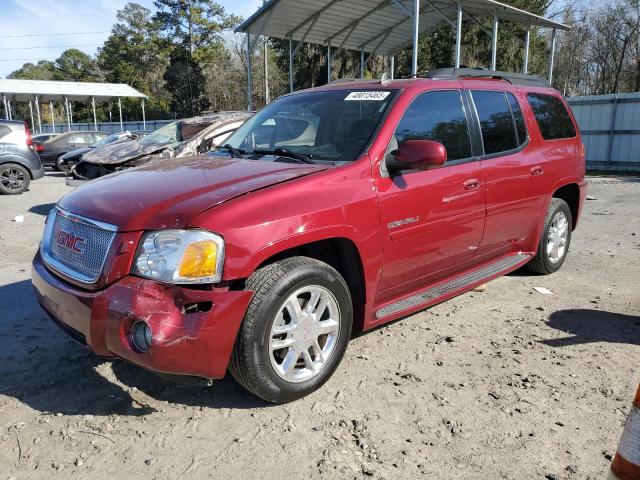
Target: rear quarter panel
(565, 162)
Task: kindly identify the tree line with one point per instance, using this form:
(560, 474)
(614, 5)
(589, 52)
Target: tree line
(185, 57)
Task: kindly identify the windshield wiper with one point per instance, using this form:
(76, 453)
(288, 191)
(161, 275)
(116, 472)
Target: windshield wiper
(235, 152)
(285, 152)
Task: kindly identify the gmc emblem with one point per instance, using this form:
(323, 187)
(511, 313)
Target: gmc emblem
(71, 241)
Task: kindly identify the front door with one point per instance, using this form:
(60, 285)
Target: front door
(432, 219)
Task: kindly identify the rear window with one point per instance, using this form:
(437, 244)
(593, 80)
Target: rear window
(496, 122)
(552, 116)
(4, 130)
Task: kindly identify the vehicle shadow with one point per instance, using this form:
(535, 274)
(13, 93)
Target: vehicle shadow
(42, 368)
(589, 326)
(42, 209)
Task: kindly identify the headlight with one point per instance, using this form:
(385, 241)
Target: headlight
(180, 256)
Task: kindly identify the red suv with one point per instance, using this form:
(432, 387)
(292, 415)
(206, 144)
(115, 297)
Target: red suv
(332, 210)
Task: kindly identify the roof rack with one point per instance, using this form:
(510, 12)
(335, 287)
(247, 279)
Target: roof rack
(513, 78)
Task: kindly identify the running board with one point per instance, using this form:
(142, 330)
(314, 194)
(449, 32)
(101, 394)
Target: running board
(452, 285)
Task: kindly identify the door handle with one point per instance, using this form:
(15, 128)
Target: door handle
(535, 171)
(472, 185)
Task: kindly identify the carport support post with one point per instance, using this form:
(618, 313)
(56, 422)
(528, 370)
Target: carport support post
(362, 62)
(33, 126)
(249, 75)
(393, 65)
(458, 34)
(416, 31)
(527, 39)
(329, 63)
(66, 110)
(53, 117)
(10, 113)
(267, 98)
(120, 109)
(6, 109)
(93, 107)
(37, 100)
(552, 55)
(290, 66)
(494, 43)
(144, 117)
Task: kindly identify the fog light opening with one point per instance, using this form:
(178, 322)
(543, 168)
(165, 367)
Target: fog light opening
(141, 336)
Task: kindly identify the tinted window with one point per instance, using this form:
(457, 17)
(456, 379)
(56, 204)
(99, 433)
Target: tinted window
(437, 116)
(521, 127)
(552, 116)
(496, 122)
(4, 130)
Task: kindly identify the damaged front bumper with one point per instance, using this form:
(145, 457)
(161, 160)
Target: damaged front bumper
(193, 331)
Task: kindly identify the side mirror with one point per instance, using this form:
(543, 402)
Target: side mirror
(419, 155)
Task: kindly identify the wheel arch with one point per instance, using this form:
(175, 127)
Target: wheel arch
(570, 193)
(340, 253)
(4, 159)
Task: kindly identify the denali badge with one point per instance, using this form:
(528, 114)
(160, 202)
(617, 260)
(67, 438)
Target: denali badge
(399, 223)
(71, 241)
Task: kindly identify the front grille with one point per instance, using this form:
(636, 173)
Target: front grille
(76, 246)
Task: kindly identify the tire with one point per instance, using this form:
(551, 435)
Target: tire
(277, 286)
(546, 262)
(58, 165)
(14, 179)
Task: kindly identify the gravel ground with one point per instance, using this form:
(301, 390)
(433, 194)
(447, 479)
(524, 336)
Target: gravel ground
(505, 383)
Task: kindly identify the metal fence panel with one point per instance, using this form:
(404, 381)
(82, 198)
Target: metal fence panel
(610, 128)
(107, 127)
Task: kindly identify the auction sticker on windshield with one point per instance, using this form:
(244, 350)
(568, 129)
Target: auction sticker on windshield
(367, 96)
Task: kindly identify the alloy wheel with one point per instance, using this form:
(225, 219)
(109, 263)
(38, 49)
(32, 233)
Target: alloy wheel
(557, 237)
(12, 178)
(304, 334)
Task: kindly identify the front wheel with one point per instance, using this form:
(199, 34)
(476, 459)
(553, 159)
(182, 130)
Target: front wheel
(295, 331)
(60, 166)
(555, 239)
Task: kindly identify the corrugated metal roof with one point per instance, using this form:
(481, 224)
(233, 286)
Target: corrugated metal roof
(377, 26)
(48, 90)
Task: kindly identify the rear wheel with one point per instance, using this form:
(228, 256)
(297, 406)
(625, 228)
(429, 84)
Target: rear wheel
(14, 179)
(555, 239)
(295, 331)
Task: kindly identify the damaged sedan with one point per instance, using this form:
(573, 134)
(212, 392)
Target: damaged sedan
(181, 138)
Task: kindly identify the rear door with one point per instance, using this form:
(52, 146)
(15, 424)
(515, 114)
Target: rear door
(514, 171)
(4, 131)
(433, 219)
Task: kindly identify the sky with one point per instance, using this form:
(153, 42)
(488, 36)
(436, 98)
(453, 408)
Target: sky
(27, 28)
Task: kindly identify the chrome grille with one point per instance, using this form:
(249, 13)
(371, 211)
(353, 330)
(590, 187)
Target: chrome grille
(76, 246)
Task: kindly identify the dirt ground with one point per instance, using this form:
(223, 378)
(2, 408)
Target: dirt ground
(502, 384)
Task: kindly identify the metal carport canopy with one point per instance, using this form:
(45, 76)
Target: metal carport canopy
(48, 90)
(375, 26)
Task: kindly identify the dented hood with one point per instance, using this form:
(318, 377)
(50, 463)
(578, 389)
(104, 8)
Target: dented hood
(122, 152)
(171, 193)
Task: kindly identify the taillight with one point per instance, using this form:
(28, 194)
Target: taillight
(39, 147)
(28, 134)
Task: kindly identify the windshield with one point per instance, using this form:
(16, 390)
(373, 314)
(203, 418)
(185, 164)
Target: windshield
(170, 133)
(332, 125)
(106, 140)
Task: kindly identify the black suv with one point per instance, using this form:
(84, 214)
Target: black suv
(19, 163)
